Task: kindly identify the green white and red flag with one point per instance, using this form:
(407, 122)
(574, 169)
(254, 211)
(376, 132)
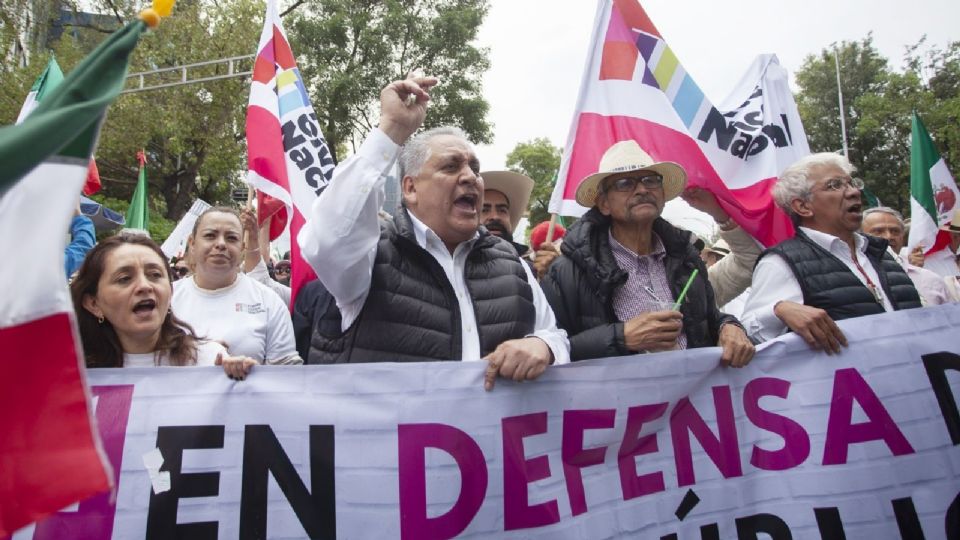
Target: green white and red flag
(50, 452)
(48, 80)
(138, 214)
(933, 193)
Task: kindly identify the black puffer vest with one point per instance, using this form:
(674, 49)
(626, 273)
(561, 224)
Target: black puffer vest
(411, 312)
(828, 284)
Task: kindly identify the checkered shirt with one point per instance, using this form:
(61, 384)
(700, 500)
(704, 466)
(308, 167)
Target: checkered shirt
(646, 284)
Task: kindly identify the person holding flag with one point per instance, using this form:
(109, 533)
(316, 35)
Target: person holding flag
(431, 284)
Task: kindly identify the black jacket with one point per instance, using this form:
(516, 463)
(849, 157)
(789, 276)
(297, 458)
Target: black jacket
(828, 284)
(411, 313)
(581, 284)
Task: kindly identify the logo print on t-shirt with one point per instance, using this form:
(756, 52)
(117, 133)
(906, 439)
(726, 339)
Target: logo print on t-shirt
(250, 308)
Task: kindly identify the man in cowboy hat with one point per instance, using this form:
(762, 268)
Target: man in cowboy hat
(623, 268)
(827, 271)
(505, 198)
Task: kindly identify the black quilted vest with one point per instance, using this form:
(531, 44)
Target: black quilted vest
(828, 284)
(411, 312)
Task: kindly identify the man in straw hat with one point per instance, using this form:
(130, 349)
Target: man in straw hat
(431, 284)
(624, 267)
(827, 271)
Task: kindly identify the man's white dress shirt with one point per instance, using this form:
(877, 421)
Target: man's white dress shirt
(773, 281)
(340, 240)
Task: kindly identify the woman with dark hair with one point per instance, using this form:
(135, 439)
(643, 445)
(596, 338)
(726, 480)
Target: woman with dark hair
(223, 303)
(122, 300)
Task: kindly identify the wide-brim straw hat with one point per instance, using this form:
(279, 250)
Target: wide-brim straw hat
(627, 156)
(514, 186)
(954, 224)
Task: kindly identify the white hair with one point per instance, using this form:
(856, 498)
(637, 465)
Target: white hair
(417, 150)
(884, 210)
(794, 181)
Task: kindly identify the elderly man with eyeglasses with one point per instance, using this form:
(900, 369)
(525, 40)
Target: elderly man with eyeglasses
(623, 267)
(828, 271)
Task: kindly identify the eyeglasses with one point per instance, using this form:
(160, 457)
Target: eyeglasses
(629, 183)
(841, 184)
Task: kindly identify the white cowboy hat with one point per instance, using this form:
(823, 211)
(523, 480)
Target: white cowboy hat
(954, 224)
(627, 156)
(514, 186)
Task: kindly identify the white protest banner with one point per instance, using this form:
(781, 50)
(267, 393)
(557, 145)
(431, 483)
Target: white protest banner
(174, 243)
(796, 445)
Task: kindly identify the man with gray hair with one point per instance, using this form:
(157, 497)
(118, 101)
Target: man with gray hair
(827, 271)
(432, 284)
(887, 223)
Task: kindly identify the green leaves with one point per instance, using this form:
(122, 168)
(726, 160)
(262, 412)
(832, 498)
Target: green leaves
(879, 102)
(349, 50)
(194, 138)
(540, 160)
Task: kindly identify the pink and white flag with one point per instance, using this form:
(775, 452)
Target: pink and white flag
(288, 161)
(634, 87)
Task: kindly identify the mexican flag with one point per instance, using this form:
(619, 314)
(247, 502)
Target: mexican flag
(933, 193)
(138, 213)
(50, 452)
(48, 80)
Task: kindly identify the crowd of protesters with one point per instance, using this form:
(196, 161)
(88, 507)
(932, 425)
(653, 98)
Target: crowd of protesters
(443, 279)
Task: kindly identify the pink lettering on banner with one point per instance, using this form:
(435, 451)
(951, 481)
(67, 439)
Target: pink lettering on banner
(412, 442)
(575, 457)
(93, 519)
(850, 386)
(796, 447)
(722, 450)
(634, 445)
(518, 472)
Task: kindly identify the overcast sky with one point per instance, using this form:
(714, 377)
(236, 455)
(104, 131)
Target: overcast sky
(538, 48)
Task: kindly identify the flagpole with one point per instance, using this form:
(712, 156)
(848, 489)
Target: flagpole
(843, 123)
(553, 224)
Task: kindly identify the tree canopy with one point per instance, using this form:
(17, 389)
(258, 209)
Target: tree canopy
(878, 102)
(350, 49)
(538, 159)
(194, 135)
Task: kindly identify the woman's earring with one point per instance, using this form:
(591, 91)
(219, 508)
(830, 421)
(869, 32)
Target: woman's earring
(100, 319)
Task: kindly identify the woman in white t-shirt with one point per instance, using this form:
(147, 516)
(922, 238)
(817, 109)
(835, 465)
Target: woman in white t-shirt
(122, 300)
(223, 304)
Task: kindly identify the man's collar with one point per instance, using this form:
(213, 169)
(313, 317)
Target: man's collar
(657, 250)
(826, 240)
(421, 232)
